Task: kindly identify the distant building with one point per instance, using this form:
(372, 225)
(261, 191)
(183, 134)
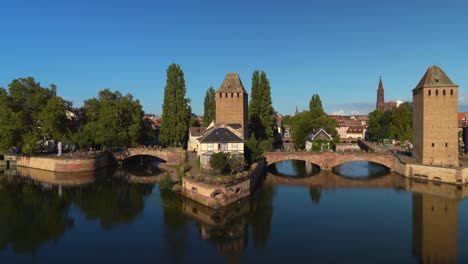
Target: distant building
(318, 134)
(341, 126)
(381, 104)
(194, 135)
(435, 124)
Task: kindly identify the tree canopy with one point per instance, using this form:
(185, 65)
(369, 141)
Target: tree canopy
(209, 107)
(31, 114)
(395, 124)
(111, 120)
(304, 123)
(176, 114)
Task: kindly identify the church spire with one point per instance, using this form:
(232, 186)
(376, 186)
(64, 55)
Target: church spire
(380, 105)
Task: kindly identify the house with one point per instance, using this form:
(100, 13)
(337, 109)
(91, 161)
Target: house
(355, 132)
(318, 134)
(219, 138)
(194, 134)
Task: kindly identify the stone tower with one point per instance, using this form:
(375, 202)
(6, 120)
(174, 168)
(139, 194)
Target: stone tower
(380, 105)
(435, 124)
(232, 104)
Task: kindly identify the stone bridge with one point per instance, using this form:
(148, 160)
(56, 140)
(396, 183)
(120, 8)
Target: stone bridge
(329, 180)
(328, 160)
(170, 156)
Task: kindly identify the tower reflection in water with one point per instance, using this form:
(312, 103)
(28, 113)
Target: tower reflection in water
(435, 227)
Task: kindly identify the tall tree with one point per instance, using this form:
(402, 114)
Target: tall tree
(209, 106)
(315, 106)
(175, 118)
(261, 112)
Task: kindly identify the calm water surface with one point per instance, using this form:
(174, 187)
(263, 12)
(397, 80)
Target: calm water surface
(359, 213)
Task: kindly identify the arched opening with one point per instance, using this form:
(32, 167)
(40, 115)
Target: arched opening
(361, 170)
(144, 165)
(294, 168)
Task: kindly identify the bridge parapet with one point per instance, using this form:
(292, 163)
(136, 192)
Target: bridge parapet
(328, 160)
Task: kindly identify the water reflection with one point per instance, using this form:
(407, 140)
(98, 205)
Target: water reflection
(294, 168)
(435, 227)
(30, 214)
(361, 170)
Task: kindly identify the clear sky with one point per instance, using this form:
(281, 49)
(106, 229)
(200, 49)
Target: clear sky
(334, 48)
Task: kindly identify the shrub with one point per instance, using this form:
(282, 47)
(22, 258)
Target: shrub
(166, 183)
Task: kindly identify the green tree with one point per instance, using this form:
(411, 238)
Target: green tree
(261, 112)
(401, 124)
(31, 114)
(315, 107)
(304, 123)
(112, 120)
(174, 129)
(209, 106)
(375, 128)
(220, 161)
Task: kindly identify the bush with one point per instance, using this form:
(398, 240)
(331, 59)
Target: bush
(166, 183)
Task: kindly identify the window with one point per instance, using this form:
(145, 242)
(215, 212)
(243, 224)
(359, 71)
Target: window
(433, 145)
(446, 144)
(443, 92)
(451, 91)
(237, 94)
(210, 147)
(220, 95)
(429, 93)
(222, 147)
(234, 147)
(225, 95)
(437, 92)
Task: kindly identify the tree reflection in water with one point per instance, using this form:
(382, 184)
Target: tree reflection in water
(30, 214)
(112, 201)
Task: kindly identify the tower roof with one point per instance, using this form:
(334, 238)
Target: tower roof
(232, 84)
(435, 77)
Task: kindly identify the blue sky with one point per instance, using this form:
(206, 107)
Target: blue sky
(334, 48)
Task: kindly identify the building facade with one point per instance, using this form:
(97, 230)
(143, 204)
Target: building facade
(435, 119)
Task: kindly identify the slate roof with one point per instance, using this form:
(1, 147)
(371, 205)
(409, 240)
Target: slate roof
(232, 84)
(197, 131)
(316, 132)
(220, 135)
(435, 77)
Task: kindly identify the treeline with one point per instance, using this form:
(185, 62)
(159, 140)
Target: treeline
(31, 115)
(395, 124)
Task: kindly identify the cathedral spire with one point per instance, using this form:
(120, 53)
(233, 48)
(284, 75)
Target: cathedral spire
(380, 105)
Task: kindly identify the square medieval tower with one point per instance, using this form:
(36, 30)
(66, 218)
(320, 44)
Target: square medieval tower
(435, 125)
(232, 104)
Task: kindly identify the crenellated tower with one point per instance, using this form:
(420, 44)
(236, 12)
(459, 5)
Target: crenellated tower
(232, 104)
(435, 123)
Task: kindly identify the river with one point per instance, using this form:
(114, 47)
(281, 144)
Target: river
(358, 213)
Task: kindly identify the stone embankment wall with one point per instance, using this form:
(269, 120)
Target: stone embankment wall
(65, 164)
(215, 196)
(439, 174)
